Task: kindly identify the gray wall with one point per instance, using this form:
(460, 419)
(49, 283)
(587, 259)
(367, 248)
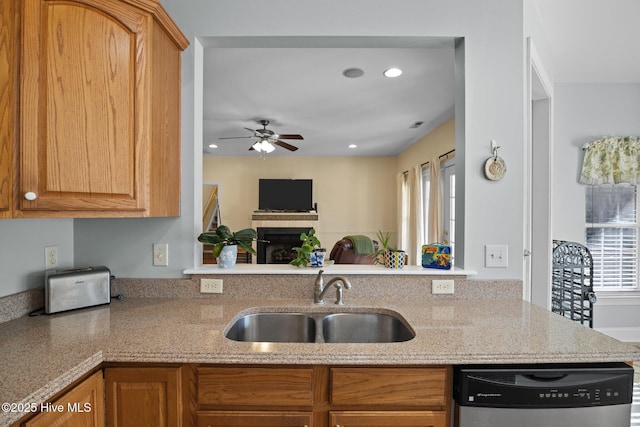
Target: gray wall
(584, 112)
(494, 73)
(22, 243)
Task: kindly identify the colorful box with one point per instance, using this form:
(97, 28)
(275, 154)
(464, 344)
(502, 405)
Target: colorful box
(435, 255)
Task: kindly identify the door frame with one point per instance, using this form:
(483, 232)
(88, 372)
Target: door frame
(538, 182)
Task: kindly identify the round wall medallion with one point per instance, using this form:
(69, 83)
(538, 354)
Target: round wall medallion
(495, 168)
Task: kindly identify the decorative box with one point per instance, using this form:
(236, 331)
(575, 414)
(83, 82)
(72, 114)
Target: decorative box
(436, 255)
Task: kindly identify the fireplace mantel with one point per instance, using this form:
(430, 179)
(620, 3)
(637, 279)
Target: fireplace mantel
(285, 219)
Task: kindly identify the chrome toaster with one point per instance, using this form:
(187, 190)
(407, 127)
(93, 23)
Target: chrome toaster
(70, 289)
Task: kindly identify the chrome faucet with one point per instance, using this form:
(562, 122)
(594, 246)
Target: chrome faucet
(339, 282)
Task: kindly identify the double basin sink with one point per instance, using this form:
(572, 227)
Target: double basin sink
(321, 327)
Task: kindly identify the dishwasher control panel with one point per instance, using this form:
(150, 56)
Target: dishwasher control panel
(543, 386)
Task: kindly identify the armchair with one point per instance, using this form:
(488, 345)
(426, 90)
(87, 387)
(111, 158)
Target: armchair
(343, 253)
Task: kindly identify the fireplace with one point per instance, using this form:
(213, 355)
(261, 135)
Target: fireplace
(280, 241)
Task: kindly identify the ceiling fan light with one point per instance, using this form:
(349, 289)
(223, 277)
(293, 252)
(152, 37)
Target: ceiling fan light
(257, 146)
(267, 147)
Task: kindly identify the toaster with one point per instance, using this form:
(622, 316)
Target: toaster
(78, 288)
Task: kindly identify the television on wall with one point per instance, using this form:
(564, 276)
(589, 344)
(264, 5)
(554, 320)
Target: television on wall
(285, 195)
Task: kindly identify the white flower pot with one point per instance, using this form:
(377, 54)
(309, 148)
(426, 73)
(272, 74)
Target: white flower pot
(228, 256)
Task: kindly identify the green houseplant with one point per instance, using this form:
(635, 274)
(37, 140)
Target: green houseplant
(223, 238)
(391, 257)
(309, 243)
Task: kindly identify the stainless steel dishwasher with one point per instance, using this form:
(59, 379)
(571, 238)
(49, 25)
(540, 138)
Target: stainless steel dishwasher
(543, 395)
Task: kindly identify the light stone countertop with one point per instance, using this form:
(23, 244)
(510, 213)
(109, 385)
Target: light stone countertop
(41, 355)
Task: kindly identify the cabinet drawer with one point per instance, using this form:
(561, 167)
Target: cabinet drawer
(389, 386)
(388, 418)
(255, 386)
(254, 419)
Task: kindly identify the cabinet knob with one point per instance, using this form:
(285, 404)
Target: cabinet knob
(30, 195)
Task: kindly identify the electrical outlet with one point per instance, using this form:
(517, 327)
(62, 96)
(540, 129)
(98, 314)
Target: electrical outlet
(440, 287)
(496, 256)
(210, 286)
(161, 254)
(50, 257)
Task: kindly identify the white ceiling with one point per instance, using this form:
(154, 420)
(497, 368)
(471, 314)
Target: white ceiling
(301, 90)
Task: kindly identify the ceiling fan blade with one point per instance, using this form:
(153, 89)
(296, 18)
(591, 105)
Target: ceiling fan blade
(236, 137)
(285, 145)
(290, 136)
(251, 130)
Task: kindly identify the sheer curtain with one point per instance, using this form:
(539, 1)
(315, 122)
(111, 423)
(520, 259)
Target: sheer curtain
(435, 201)
(410, 214)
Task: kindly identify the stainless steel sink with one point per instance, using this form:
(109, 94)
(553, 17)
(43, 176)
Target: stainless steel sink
(273, 327)
(365, 328)
(321, 327)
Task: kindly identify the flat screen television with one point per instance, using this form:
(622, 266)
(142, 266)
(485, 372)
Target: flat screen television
(285, 195)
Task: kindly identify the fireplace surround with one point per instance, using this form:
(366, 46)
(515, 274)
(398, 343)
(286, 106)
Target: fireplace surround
(282, 231)
(275, 244)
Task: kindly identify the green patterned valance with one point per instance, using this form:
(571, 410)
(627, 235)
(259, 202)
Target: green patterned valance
(611, 161)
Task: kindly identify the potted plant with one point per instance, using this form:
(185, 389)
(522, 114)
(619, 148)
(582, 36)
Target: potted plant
(225, 243)
(310, 243)
(391, 257)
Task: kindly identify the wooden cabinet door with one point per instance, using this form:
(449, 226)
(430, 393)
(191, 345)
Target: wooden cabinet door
(255, 419)
(388, 419)
(144, 397)
(84, 109)
(83, 406)
(9, 21)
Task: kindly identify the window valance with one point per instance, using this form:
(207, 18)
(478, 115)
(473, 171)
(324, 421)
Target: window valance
(611, 160)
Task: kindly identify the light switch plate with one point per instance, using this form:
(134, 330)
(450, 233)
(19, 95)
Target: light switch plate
(160, 254)
(496, 256)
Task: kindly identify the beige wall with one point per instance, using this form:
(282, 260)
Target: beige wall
(355, 195)
(435, 143)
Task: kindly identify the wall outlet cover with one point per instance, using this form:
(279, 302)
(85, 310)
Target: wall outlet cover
(442, 287)
(210, 286)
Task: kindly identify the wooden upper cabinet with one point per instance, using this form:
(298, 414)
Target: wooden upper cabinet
(99, 113)
(9, 22)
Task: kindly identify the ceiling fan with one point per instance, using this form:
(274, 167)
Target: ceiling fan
(267, 138)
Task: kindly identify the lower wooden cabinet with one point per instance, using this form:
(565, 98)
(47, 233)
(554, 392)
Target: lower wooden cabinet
(82, 406)
(257, 396)
(323, 396)
(255, 419)
(144, 396)
(388, 418)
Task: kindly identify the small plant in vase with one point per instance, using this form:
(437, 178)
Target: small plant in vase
(225, 243)
(310, 243)
(391, 257)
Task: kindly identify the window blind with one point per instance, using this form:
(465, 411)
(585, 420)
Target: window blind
(612, 235)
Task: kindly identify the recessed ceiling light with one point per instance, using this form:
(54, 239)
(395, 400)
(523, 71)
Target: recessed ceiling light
(353, 146)
(353, 73)
(213, 146)
(392, 72)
